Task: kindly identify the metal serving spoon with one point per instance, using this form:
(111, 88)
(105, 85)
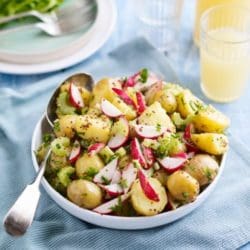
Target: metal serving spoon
(21, 214)
(81, 79)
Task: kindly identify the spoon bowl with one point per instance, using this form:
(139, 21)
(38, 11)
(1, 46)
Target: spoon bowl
(80, 80)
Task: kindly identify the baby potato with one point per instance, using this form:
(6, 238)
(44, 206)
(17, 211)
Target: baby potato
(103, 89)
(142, 204)
(187, 103)
(93, 128)
(65, 126)
(167, 100)
(210, 120)
(203, 168)
(182, 186)
(211, 143)
(162, 176)
(84, 193)
(155, 115)
(127, 110)
(87, 166)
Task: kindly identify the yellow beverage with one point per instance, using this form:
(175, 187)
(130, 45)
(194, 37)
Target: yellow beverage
(203, 5)
(225, 62)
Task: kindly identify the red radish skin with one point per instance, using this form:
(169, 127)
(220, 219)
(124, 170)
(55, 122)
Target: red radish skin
(136, 152)
(130, 82)
(141, 104)
(106, 208)
(116, 177)
(75, 97)
(112, 189)
(124, 96)
(172, 164)
(95, 148)
(75, 152)
(107, 172)
(148, 131)
(149, 156)
(119, 140)
(146, 187)
(109, 109)
(187, 138)
(129, 175)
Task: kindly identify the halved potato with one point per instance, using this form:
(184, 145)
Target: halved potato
(127, 110)
(103, 89)
(211, 143)
(155, 115)
(210, 120)
(142, 204)
(65, 126)
(93, 128)
(187, 103)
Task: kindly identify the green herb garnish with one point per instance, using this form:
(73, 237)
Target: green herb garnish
(143, 75)
(158, 127)
(105, 180)
(47, 138)
(118, 207)
(90, 173)
(123, 183)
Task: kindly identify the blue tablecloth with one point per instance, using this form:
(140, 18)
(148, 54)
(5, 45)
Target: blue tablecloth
(221, 223)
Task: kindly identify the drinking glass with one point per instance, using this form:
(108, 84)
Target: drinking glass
(160, 21)
(225, 52)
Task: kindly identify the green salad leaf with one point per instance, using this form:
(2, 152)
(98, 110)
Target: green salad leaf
(11, 7)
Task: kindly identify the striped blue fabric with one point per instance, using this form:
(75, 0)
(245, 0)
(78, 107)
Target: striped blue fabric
(222, 222)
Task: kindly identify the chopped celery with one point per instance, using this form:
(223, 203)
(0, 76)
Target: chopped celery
(64, 175)
(59, 146)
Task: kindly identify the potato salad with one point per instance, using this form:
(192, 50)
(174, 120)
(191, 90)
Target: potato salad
(133, 146)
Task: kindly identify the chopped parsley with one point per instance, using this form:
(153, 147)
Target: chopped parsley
(118, 207)
(105, 180)
(123, 183)
(90, 173)
(208, 173)
(158, 127)
(58, 146)
(143, 75)
(185, 195)
(47, 138)
(57, 126)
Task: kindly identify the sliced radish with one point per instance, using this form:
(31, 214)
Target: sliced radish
(190, 155)
(130, 82)
(124, 96)
(109, 109)
(141, 104)
(146, 186)
(152, 78)
(112, 189)
(150, 132)
(149, 156)
(75, 97)
(172, 164)
(187, 138)
(95, 148)
(136, 152)
(116, 177)
(129, 175)
(75, 152)
(107, 172)
(106, 208)
(120, 133)
(172, 204)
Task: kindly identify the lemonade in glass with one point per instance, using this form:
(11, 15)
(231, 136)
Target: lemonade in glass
(225, 52)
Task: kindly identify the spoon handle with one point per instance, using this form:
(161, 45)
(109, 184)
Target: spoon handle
(21, 214)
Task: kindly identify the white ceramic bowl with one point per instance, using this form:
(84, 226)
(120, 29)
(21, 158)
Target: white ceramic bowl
(117, 222)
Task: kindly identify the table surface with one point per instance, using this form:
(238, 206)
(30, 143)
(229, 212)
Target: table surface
(185, 64)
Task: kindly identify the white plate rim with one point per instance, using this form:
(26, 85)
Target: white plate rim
(117, 222)
(89, 48)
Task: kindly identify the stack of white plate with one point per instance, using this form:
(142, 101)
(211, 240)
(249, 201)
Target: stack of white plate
(32, 52)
